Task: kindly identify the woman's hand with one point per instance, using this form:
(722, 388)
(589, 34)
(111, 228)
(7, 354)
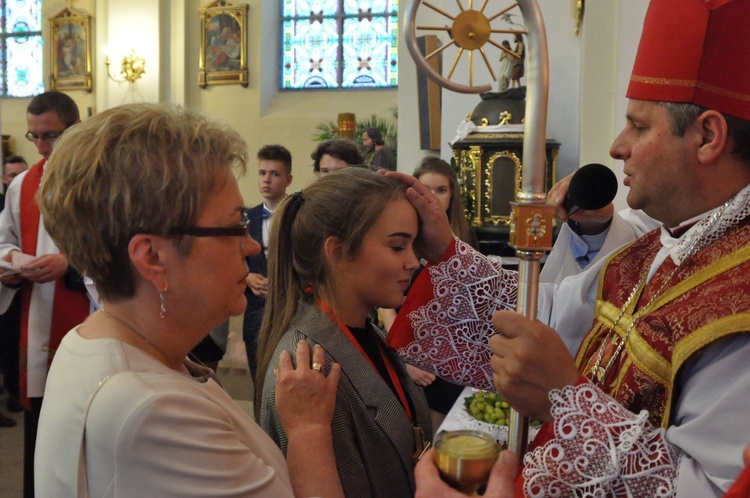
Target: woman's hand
(500, 484)
(305, 401)
(305, 397)
(435, 235)
(420, 377)
(257, 283)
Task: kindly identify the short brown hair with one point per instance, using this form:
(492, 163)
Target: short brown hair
(13, 159)
(139, 168)
(340, 148)
(57, 102)
(276, 153)
(682, 115)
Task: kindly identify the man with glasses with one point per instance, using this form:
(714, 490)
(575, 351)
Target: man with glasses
(53, 299)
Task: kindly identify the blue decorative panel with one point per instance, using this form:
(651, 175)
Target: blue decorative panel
(334, 44)
(21, 48)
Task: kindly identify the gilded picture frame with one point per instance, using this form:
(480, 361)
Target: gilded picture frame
(223, 54)
(70, 51)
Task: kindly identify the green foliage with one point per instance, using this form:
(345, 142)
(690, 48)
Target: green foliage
(327, 130)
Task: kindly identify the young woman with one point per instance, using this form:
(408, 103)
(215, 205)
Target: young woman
(340, 248)
(440, 178)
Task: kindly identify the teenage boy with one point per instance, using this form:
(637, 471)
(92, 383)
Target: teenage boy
(274, 176)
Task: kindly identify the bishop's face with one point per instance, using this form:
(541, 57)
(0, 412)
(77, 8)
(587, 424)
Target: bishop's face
(657, 163)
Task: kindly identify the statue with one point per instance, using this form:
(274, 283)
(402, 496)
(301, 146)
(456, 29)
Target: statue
(518, 63)
(506, 66)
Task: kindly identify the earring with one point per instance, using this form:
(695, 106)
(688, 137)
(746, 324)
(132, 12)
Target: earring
(162, 307)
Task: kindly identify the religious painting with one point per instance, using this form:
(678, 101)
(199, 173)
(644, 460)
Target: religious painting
(70, 56)
(223, 56)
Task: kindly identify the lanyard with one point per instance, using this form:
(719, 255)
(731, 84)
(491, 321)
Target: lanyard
(386, 359)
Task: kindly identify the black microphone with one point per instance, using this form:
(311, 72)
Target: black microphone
(592, 187)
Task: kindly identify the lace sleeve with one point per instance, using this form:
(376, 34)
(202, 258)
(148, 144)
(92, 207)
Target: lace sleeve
(599, 449)
(451, 326)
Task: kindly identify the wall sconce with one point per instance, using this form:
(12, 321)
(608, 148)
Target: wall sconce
(133, 67)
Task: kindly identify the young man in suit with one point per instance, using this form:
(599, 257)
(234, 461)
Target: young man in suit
(274, 176)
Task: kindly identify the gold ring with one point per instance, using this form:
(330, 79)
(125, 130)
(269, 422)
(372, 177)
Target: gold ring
(317, 367)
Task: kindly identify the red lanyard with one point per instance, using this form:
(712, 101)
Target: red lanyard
(386, 359)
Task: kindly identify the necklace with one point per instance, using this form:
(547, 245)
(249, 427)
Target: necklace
(143, 337)
(600, 372)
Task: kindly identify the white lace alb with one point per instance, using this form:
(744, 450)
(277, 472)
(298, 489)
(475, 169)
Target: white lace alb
(600, 450)
(452, 331)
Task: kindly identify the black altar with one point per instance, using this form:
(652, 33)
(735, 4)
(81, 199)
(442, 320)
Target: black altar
(489, 167)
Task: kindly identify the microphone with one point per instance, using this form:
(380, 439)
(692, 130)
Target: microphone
(592, 187)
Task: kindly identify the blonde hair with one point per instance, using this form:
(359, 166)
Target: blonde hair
(345, 204)
(139, 168)
(456, 210)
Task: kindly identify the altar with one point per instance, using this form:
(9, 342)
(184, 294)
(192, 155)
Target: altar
(488, 157)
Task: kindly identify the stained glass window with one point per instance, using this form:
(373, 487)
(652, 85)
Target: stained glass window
(21, 46)
(338, 44)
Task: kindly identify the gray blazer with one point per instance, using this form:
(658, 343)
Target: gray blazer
(373, 438)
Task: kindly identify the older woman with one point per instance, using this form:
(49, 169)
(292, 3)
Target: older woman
(142, 199)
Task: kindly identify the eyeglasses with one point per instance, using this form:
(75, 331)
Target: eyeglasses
(49, 137)
(236, 231)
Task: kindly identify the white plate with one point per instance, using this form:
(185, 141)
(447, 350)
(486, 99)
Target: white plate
(499, 432)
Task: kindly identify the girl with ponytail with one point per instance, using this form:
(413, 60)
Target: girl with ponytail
(339, 249)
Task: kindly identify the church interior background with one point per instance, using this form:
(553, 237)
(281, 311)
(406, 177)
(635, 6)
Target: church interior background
(588, 75)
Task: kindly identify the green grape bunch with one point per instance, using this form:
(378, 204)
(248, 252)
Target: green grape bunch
(490, 407)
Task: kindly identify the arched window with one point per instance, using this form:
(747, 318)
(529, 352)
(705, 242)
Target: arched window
(21, 46)
(339, 44)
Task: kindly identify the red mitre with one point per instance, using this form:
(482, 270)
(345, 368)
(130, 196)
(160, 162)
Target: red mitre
(695, 51)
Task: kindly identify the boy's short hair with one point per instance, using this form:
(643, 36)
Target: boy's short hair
(276, 153)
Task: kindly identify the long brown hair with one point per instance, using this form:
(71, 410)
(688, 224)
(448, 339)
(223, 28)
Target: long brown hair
(345, 204)
(456, 211)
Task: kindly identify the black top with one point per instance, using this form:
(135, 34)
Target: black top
(368, 340)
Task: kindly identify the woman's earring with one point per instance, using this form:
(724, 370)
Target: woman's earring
(162, 307)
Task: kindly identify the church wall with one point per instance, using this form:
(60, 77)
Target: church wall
(588, 78)
(166, 34)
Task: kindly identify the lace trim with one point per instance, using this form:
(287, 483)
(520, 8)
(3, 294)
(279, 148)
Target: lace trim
(710, 229)
(451, 331)
(600, 450)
